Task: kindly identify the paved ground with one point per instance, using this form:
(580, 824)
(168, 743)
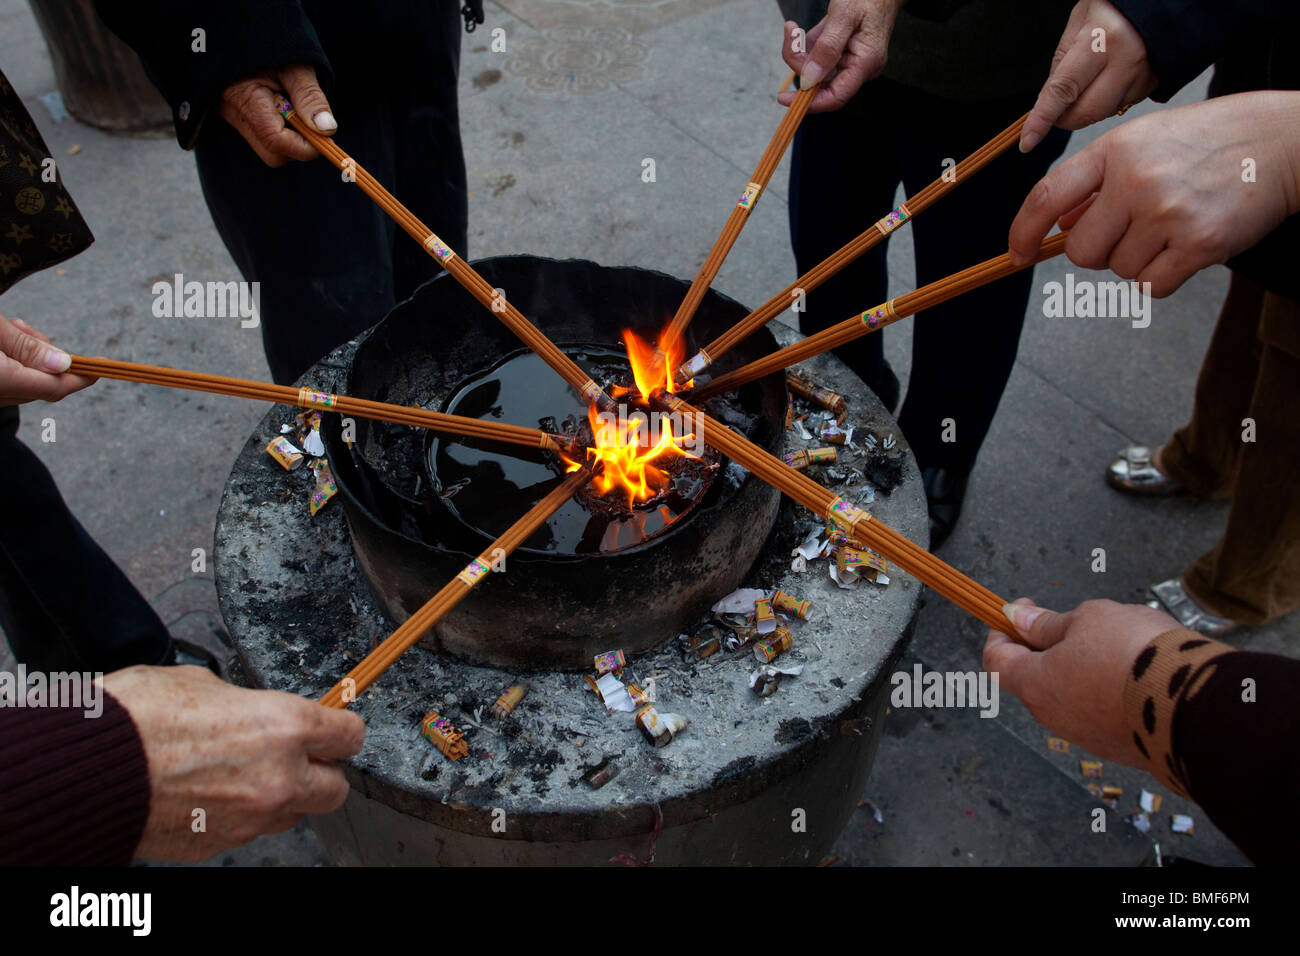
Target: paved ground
(556, 131)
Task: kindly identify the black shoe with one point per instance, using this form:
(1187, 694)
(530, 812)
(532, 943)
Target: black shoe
(201, 642)
(945, 491)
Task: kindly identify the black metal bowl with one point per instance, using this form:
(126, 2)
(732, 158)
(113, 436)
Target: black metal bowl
(544, 611)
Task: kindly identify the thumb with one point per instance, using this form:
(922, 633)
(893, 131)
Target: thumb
(1039, 627)
(30, 351)
(307, 97)
(837, 30)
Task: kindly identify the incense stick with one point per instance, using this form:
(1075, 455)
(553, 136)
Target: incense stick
(740, 213)
(880, 316)
(458, 425)
(418, 624)
(860, 525)
(833, 263)
(459, 269)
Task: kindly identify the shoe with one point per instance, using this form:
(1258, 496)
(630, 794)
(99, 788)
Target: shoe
(945, 492)
(202, 643)
(1134, 472)
(1171, 597)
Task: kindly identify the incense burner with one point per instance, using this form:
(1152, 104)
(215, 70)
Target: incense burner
(547, 610)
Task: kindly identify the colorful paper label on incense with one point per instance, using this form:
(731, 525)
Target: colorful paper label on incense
(591, 391)
(283, 105)
(880, 315)
(609, 662)
(749, 196)
(892, 221)
(473, 571)
(441, 251)
(845, 513)
(307, 398)
(696, 365)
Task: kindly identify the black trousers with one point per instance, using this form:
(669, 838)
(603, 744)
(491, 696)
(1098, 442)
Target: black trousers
(330, 262)
(845, 168)
(64, 604)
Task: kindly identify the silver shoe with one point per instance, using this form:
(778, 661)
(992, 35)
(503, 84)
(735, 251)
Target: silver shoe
(1135, 473)
(1171, 597)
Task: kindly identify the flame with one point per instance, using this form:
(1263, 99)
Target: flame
(625, 445)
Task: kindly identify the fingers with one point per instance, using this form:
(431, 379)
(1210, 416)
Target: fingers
(332, 734)
(793, 59)
(1066, 84)
(19, 323)
(324, 788)
(833, 36)
(1039, 627)
(1098, 231)
(1141, 243)
(307, 97)
(1009, 660)
(1060, 191)
(31, 351)
(1169, 270)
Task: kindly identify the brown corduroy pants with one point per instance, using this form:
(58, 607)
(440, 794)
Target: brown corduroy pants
(1250, 377)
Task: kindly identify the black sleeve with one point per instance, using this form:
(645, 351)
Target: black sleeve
(1236, 741)
(74, 787)
(1186, 37)
(241, 38)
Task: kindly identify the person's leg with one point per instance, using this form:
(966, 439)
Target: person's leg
(64, 604)
(321, 249)
(843, 175)
(1202, 455)
(1252, 575)
(963, 350)
(430, 163)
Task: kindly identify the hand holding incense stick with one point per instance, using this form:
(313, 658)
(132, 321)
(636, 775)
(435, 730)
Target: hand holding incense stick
(880, 316)
(740, 214)
(419, 623)
(850, 251)
(459, 269)
(458, 425)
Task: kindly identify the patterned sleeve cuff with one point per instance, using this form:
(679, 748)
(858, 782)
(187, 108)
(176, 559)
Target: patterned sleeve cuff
(1172, 668)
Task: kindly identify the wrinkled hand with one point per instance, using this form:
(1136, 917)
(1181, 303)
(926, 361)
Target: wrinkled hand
(1073, 682)
(849, 47)
(1093, 75)
(1165, 195)
(31, 369)
(249, 106)
(254, 761)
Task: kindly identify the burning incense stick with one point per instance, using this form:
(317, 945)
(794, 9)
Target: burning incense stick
(901, 307)
(459, 269)
(740, 214)
(458, 425)
(860, 525)
(419, 623)
(851, 251)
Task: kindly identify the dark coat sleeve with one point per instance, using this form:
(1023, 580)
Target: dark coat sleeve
(74, 788)
(241, 38)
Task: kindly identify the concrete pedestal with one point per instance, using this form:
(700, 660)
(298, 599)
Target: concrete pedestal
(750, 781)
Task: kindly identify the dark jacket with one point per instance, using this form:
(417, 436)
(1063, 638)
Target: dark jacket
(382, 41)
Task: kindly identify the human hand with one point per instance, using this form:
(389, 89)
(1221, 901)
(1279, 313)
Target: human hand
(849, 46)
(1073, 679)
(254, 761)
(1167, 194)
(31, 369)
(1093, 74)
(249, 106)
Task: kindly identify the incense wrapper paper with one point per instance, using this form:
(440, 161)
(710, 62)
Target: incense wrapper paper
(509, 700)
(283, 451)
(791, 605)
(659, 729)
(444, 736)
(769, 649)
(764, 616)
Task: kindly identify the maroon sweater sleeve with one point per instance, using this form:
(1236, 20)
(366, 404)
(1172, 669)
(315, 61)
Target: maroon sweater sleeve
(74, 790)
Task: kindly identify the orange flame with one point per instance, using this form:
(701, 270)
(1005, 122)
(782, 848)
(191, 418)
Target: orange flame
(626, 445)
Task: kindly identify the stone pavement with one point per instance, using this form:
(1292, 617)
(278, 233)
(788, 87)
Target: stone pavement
(556, 131)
